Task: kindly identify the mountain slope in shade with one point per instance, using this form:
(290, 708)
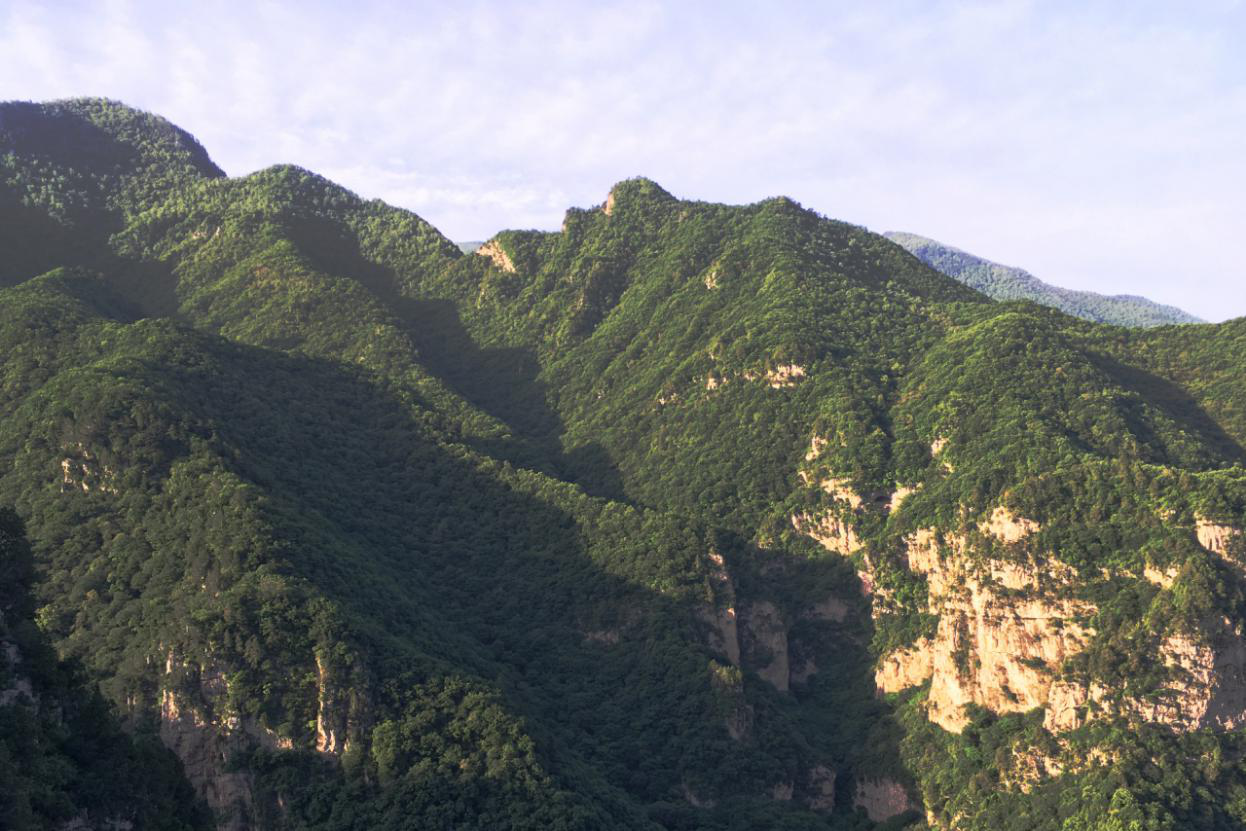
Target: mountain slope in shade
(1002, 282)
(686, 516)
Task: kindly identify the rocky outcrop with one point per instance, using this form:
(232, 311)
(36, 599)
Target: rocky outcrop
(1007, 527)
(82, 470)
(905, 668)
(194, 726)
(1000, 640)
(492, 250)
(1224, 541)
(331, 712)
(882, 799)
(785, 375)
(728, 684)
(765, 643)
(831, 531)
(1205, 688)
(720, 612)
(821, 792)
(199, 726)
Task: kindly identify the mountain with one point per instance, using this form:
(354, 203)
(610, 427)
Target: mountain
(684, 516)
(64, 758)
(1007, 283)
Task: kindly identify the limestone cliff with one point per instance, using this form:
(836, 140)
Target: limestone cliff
(882, 799)
(199, 725)
(494, 251)
(1000, 640)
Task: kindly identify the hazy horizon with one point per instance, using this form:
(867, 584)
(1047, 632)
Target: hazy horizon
(1096, 147)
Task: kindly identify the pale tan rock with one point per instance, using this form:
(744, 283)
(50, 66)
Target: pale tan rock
(1164, 579)
(1007, 527)
(840, 489)
(899, 495)
(998, 642)
(882, 799)
(906, 667)
(1028, 767)
(493, 251)
(1206, 688)
(1218, 539)
(1066, 703)
(785, 375)
(829, 530)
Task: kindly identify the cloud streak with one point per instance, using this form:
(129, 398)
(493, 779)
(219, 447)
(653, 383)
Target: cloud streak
(1096, 147)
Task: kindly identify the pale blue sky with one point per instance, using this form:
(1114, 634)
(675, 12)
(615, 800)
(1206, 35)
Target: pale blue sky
(1098, 145)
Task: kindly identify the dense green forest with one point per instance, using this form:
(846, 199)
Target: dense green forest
(63, 754)
(1003, 282)
(373, 532)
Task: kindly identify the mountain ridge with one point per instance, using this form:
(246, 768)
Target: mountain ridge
(1003, 282)
(684, 516)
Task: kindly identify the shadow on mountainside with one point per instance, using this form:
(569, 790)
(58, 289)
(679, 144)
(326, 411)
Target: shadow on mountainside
(1174, 402)
(444, 566)
(503, 382)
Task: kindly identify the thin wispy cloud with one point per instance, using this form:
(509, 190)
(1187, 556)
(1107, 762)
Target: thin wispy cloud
(1097, 145)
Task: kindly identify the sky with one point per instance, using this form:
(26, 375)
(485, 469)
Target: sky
(1099, 145)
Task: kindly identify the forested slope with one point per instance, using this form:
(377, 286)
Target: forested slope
(685, 516)
(1003, 282)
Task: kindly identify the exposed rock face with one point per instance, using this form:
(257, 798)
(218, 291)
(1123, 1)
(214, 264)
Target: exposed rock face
(766, 643)
(831, 531)
(1027, 767)
(1007, 527)
(821, 795)
(901, 493)
(785, 375)
(829, 608)
(906, 667)
(197, 724)
(1206, 688)
(721, 612)
(694, 800)
(840, 489)
(331, 712)
(1164, 579)
(493, 250)
(1223, 540)
(81, 470)
(999, 641)
(205, 742)
(882, 799)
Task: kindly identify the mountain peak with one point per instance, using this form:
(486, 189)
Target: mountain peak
(637, 190)
(99, 133)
